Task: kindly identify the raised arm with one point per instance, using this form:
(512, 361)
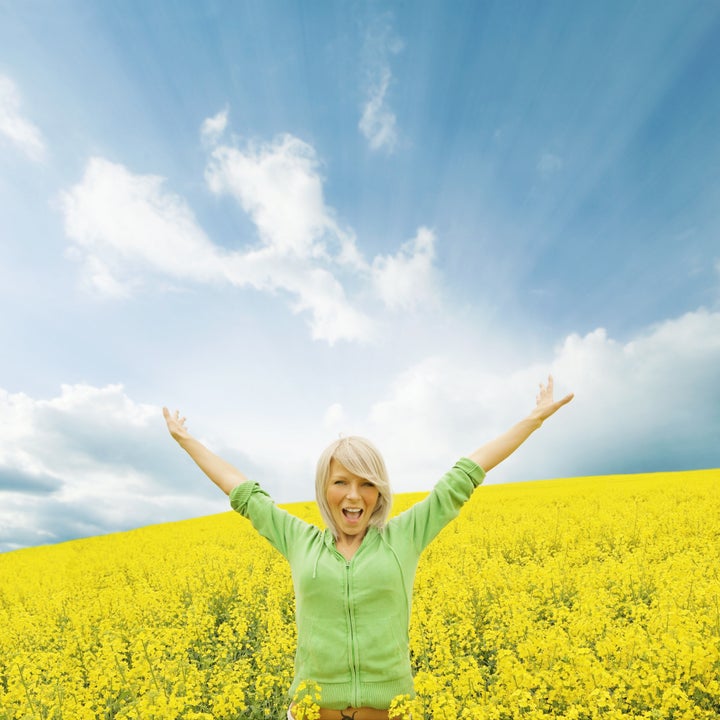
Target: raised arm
(221, 472)
(494, 452)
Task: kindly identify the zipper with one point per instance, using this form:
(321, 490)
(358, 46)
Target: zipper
(352, 640)
(353, 644)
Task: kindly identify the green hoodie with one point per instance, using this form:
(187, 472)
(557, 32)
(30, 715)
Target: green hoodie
(353, 616)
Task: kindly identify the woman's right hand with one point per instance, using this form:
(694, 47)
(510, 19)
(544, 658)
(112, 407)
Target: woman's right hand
(222, 473)
(176, 425)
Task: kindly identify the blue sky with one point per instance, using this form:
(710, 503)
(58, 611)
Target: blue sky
(293, 220)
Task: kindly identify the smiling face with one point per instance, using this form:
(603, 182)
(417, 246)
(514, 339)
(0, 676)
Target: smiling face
(352, 500)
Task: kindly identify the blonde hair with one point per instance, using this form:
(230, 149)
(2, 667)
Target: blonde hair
(360, 457)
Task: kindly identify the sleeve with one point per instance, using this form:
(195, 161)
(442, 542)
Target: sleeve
(424, 520)
(278, 526)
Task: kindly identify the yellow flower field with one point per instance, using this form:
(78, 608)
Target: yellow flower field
(583, 598)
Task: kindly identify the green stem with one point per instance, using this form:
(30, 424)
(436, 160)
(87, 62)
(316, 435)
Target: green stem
(27, 691)
(152, 671)
(124, 679)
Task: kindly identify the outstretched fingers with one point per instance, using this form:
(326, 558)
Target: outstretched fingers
(546, 392)
(546, 405)
(175, 423)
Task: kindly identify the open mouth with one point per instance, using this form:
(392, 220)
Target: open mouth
(352, 515)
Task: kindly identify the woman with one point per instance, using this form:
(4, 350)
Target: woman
(353, 582)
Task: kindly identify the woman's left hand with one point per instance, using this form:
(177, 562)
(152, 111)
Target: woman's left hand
(494, 452)
(545, 406)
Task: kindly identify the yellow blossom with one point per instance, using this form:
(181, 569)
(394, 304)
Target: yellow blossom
(581, 599)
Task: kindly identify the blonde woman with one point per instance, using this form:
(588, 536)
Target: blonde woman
(353, 581)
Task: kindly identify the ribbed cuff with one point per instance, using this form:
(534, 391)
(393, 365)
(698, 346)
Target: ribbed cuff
(472, 470)
(240, 495)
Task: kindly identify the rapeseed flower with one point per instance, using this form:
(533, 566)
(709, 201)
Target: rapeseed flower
(581, 599)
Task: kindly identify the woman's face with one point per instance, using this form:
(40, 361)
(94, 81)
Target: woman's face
(352, 500)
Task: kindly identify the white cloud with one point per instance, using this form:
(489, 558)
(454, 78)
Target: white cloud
(124, 226)
(213, 127)
(378, 122)
(407, 279)
(95, 460)
(120, 221)
(87, 462)
(279, 186)
(20, 131)
(644, 405)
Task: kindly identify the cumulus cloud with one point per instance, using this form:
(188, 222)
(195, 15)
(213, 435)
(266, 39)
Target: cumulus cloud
(16, 128)
(124, 226)
(279, 186)
(90, 461)
(378, 123)
(645, 405)
(213, 127)
(407, 279)
(120, 221)
(94, 460)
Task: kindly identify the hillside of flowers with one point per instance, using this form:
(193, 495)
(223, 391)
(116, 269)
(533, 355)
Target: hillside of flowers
(582, 598)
